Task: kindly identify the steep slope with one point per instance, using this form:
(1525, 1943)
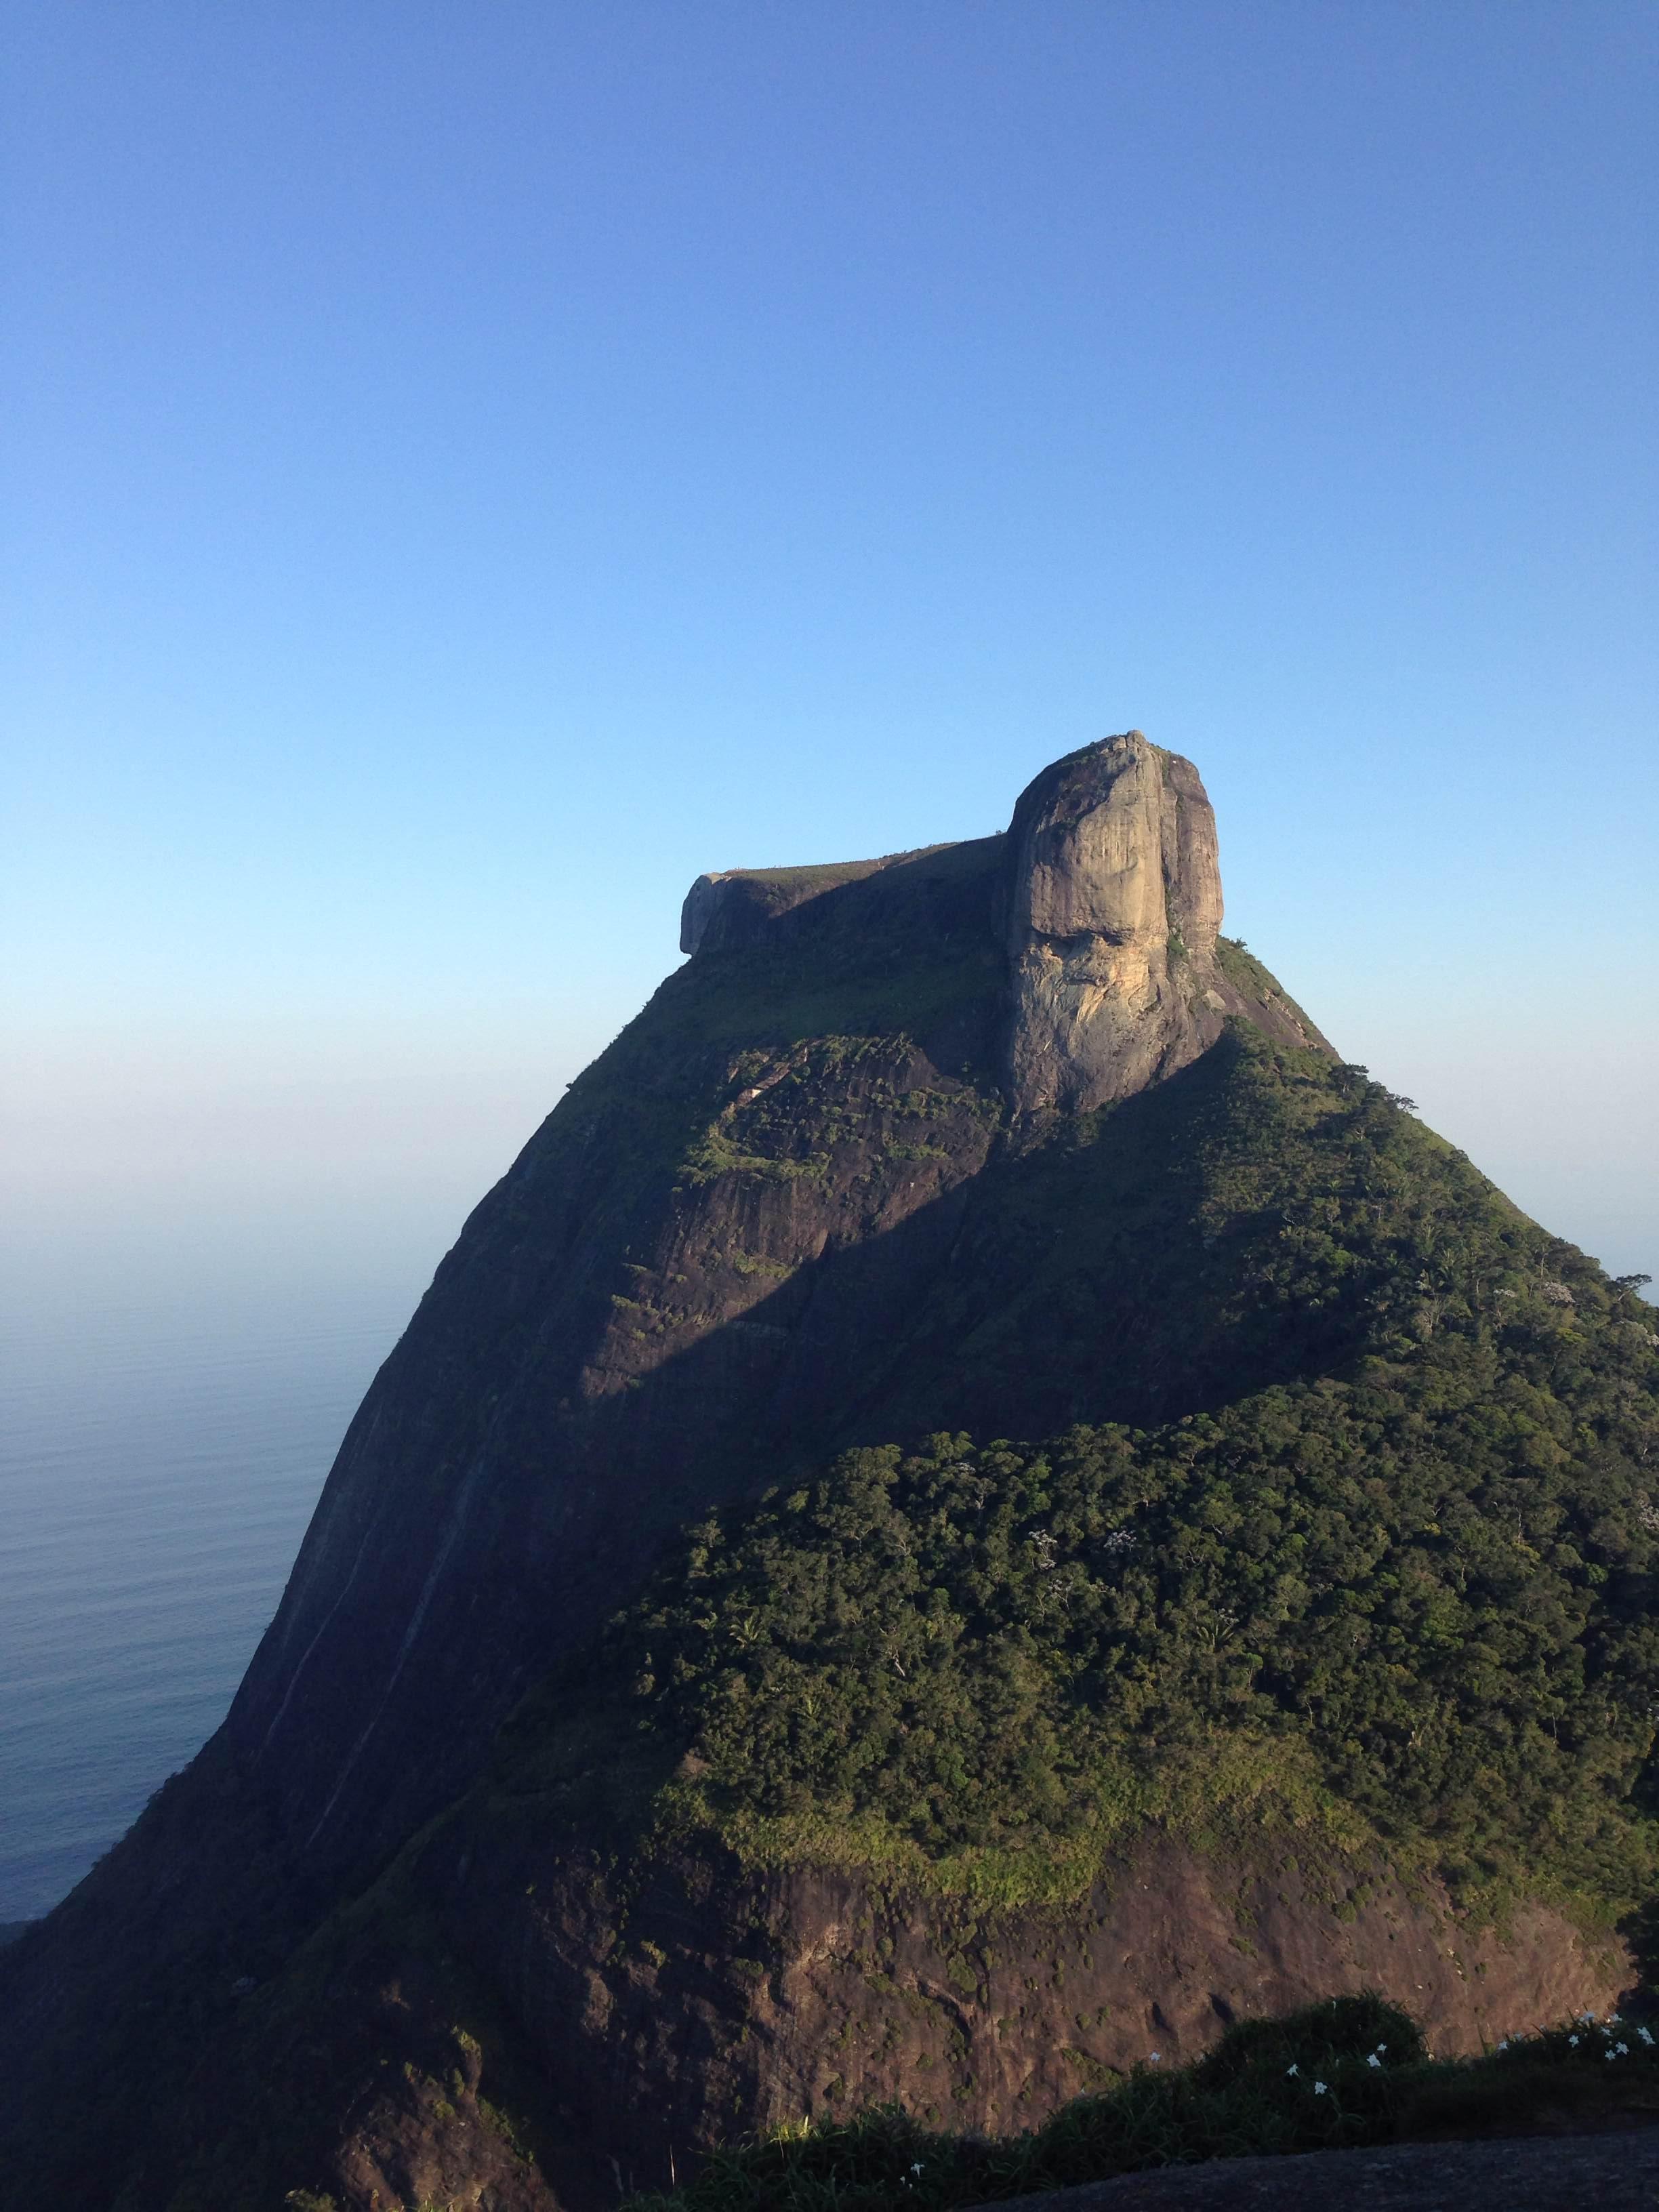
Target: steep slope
(995, 1138)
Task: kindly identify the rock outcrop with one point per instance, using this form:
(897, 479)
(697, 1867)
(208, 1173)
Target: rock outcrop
(734, 907)
(1114, 910)
(1111, 896)
(982, 2020)
(671, 2007)
(776, 1159)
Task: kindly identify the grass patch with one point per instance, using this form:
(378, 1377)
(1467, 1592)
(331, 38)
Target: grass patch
(1223, 1798)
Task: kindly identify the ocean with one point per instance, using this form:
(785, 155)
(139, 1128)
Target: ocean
(173, 1391)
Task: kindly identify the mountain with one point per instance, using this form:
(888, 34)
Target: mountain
(975, 1498)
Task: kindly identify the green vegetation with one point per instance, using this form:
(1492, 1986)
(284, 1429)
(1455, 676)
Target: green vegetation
(1332, 2076)
(1246, 973)
(1408, 1603)
(785, 1121)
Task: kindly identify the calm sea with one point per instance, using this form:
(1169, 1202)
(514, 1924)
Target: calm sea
(172, 1396)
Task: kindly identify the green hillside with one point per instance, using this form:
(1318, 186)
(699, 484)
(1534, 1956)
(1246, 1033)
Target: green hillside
(1409, 1597)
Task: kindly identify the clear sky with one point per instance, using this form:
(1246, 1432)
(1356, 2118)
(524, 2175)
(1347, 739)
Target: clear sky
(473, 467)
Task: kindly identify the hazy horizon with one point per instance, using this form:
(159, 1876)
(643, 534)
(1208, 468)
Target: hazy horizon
(472, 473)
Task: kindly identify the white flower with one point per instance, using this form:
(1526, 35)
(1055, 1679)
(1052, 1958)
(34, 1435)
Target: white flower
(1381, 2046)
(1645, 2037)
(1608, 2056)
(1319, 2089)
(1373, 2060)
(1622, 2049)
(1292, 2070)
(1504, 2044)
(1573, 2042)
(916, 2166)
(1156, 2057)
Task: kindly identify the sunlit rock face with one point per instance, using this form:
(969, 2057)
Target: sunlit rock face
(1113, 906)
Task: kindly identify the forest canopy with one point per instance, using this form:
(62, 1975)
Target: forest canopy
(1425, 1582)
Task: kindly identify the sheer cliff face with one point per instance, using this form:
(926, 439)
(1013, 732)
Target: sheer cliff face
(703, 1266)
(1113, 908)
(1110, 894)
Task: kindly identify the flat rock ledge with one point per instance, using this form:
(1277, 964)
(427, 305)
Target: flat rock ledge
(1617, 2172)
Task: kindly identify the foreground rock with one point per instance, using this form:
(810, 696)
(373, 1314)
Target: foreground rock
(677, 2005)
(1616, 2172)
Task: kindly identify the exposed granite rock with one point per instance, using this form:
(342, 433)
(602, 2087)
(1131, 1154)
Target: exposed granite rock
(717, 1254)
(763, 1998)
(636, 2016)
(1114, 910)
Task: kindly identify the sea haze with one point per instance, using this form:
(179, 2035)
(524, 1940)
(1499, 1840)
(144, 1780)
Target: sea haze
(174, 1390)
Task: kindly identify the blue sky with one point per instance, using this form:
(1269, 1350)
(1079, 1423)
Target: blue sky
(473, 467)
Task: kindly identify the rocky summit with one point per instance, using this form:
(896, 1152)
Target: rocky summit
(974, 1500)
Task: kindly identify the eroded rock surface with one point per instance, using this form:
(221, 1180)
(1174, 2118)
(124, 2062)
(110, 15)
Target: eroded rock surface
(664, 2008)
(1113, 911)
(820, 1992)
(731, 906)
